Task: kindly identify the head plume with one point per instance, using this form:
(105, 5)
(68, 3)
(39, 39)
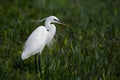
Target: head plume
(41, 20)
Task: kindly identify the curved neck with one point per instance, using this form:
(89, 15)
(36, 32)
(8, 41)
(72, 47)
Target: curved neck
(50, 27)
(51, 31)
(47, 23)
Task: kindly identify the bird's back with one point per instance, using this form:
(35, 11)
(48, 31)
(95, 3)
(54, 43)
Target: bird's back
(35, 42)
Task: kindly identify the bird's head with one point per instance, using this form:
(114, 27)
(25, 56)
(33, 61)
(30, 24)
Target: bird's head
(53, 19)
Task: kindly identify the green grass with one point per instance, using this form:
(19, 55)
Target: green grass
(87, 50)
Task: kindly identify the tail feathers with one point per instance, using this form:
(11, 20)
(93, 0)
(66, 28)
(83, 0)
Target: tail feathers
(24, 56)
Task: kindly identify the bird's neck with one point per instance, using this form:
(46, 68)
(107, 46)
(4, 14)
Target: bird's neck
(50, 27)
(51, 31)
(47, 24)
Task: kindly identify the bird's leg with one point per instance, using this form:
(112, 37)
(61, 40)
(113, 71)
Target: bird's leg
(36, 68)
(39, 64)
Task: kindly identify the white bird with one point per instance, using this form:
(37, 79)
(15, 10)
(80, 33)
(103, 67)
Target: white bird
(40, 37)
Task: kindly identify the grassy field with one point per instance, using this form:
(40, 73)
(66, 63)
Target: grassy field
(87, 50)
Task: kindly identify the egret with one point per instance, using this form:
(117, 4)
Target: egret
(39, 38)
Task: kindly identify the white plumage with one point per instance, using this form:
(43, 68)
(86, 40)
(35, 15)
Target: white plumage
(40, 37)
(35, 42)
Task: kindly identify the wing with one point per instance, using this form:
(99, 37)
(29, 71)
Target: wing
(35, 42)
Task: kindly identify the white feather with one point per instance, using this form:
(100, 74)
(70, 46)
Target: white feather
(40, 37)
(35, 42)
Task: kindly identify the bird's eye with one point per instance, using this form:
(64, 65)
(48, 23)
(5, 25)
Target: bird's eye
(55, 20)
